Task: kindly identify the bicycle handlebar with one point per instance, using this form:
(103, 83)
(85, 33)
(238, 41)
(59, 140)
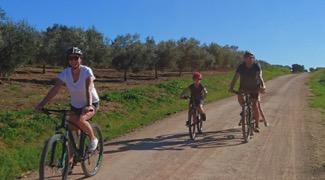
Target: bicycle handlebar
(51, 111)
(185, 97)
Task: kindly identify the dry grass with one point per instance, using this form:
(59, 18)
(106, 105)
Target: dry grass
(27, 86)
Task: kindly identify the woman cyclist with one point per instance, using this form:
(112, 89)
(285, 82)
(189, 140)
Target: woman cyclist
(79, 80)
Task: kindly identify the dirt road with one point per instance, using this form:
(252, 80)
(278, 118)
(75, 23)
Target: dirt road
(163, 150)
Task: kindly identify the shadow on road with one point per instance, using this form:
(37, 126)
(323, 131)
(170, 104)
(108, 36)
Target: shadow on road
(176, 142)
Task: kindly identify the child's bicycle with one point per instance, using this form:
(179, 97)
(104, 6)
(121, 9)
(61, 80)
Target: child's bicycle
(54, 161)
(194, 121)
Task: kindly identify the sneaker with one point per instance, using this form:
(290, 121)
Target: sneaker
(70, 169)
(256, 129)
(187, 123)
(204, 117)
(241, 117)
(93, 145)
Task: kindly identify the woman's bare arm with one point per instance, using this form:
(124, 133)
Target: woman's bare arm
(89, 87)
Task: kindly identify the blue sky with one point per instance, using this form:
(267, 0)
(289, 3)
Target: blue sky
(280, 32)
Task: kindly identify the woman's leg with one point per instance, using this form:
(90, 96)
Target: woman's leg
(84, 125)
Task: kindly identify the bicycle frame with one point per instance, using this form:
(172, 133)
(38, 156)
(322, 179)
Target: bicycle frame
(64, 129)
(62, 146)
(247, 108)
(193, 108)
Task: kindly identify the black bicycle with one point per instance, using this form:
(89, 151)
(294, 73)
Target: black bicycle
(247, 121)
(54, 161)
(194, 121)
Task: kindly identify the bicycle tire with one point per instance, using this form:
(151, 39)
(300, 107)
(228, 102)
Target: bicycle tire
(61, 165)
(191, 127)
(199, 124)
(251, 123)
(87, 155)
(245, 129)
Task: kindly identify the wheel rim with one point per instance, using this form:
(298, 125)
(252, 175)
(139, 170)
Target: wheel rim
(55, 160)
(192, 126)
(199, 125)
(246, 126)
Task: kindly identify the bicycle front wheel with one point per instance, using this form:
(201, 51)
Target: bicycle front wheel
(54, 161)
(245, 125)
(192, 124)
(92, 161)
(199, 124)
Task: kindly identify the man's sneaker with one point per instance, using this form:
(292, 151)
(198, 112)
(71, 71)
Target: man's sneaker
(241, 118)
(188, 123)
(93, 145)
(257, 129)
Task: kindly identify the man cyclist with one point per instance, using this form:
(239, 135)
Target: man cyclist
(79, 80)
(251, 80)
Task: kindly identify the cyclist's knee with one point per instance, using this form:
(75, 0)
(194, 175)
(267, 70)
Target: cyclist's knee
(240, 99)
(200, 108)
(86, 117)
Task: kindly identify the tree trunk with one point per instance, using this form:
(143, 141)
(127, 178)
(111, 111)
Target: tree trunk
(125, 73)
(180, 72)
(156, 71)
(44, 67)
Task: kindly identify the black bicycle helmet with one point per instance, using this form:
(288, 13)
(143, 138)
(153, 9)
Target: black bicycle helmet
(74, 50)
(248, 54)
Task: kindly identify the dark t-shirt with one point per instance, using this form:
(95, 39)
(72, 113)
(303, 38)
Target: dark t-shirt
(249, 77)
(197, 92)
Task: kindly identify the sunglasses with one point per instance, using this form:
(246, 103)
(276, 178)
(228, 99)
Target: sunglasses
(73, 58)
(250, 57)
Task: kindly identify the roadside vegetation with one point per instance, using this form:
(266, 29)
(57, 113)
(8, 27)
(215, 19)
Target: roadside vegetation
(316, 122)
(317, 85)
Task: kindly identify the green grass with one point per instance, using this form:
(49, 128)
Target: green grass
(317, 85)
(143, 105)
(22, 133)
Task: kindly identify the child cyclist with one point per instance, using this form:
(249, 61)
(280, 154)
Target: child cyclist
(197, 93)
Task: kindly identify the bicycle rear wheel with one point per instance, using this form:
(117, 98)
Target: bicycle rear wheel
(54, 161)
(92, 161)
(192, 124)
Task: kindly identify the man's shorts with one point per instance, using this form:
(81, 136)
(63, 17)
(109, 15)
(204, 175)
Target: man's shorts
(255, 96)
